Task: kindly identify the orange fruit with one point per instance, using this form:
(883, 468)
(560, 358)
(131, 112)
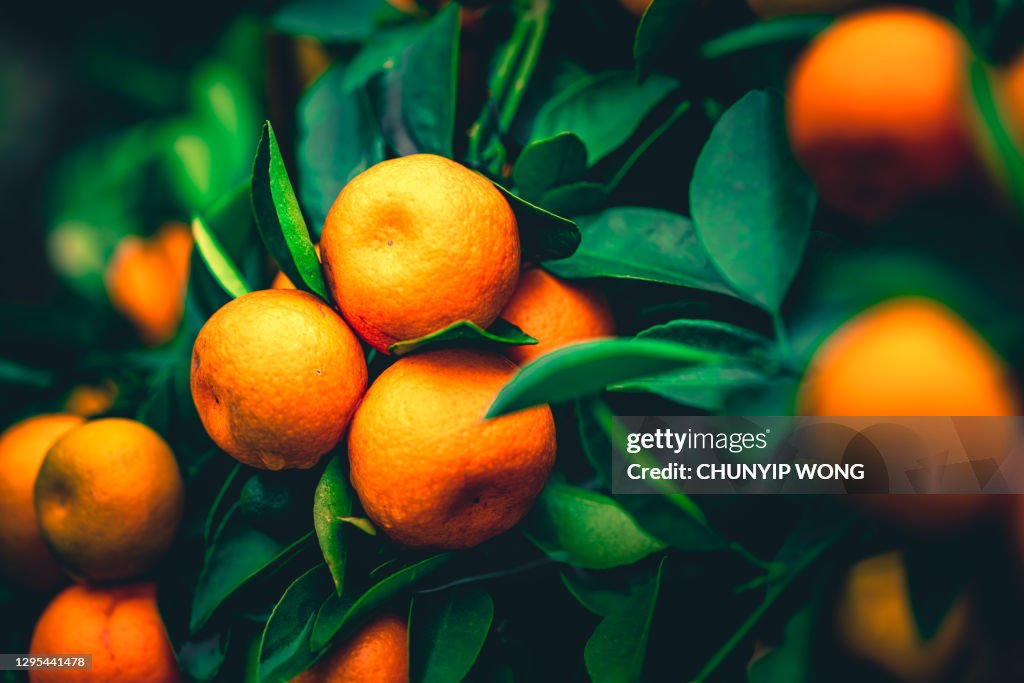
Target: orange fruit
(276, 375)
(429, 470)
(109, 498)
(91, 399)
(120, 626)
(876, 622)
(146, 281)
(555, 313)
(911, 356)
(878, 110)
(377, 653)
(281, 280)
(23, 554)
(414, 244)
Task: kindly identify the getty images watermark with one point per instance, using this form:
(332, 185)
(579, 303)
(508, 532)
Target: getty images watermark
(833, 455)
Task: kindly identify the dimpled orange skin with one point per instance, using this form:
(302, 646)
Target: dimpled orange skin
(109, 498)
(120, 626)
(414, 244)
(877, 110)
(275, 377)
(912, 356)
(876, 622)
(377, 653)
(555, 313)
(429, 470)
(146, 281)
(23, 446)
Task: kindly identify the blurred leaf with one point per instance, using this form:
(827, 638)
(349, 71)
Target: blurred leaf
(752, 204)
(603, 110)
(548, 163)
(586, 529)
(666, 32)
(996, 134)
(446, 633)
(280, 220)
(781, 30)
(332, 502)
(574, 199)
(329, 20)
(499, 332)
(542, 234)
(284, 650)
(706, 387)
(213, 519)
(338, 138)
(586, 368)
(617, 650)
(18, 374)
(640, 243)
(380, 52)
(420, 89)
(716, 336)
(220, 265)
(790, 661)
(203, 660)
(598, 599)
(337, 612)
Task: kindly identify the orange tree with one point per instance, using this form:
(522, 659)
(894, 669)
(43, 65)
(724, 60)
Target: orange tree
(654, 168)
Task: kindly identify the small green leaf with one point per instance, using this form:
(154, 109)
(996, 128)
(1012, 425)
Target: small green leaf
(997, 134)
(284, 644)
(419, 91)
(752, 203)
(587, 368)
(548, 163)
(332, 501)
(542, 234)
(499, 332)
(337, 612)
(594, 597)
(603, 110)
(340, 22)
(338, 138)
(666, 34)
(790, 661)
(18, 374)
(617, 649)
(280, 220)
(380, 52)
(640, 243)
(446, 634)
(574, 199)
(224, 271)
(361, 523)
(202, 660)
(586, 529)
(213, 519)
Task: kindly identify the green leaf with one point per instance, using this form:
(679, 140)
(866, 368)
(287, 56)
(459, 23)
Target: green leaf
(707, 387)
(752, 204)
(790, 661)
(213, 519)
(548, 163)
(666, 34)
(202, 660)
(639, 243)
(220, 265)
(617, 649)
(380, 52)
(586, 529)
(280, 220)
(337, 612)
(18, 374)
(332, 503)
(542, 234)
(997, 133)
(587, 368)
(338, 138)
(594, 597)
(603, 110)
(341, 22)
(422, 84)
(499, 332)
(284, 650)
(574, 199)
(446, 633)
(763, 33)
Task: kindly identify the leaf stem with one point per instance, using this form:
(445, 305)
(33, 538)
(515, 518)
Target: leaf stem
(538, 18)
(642, 148)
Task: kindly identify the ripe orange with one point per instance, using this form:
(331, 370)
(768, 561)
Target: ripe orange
(276, 375)
(109, 499)
(429, 470)
(146, 281)
(417, 243)
(120, 626)
(876, 622)
(877, 110)
(555, 313)
(23, 554)
(378, 653)
(911, 356)
(91, 399)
